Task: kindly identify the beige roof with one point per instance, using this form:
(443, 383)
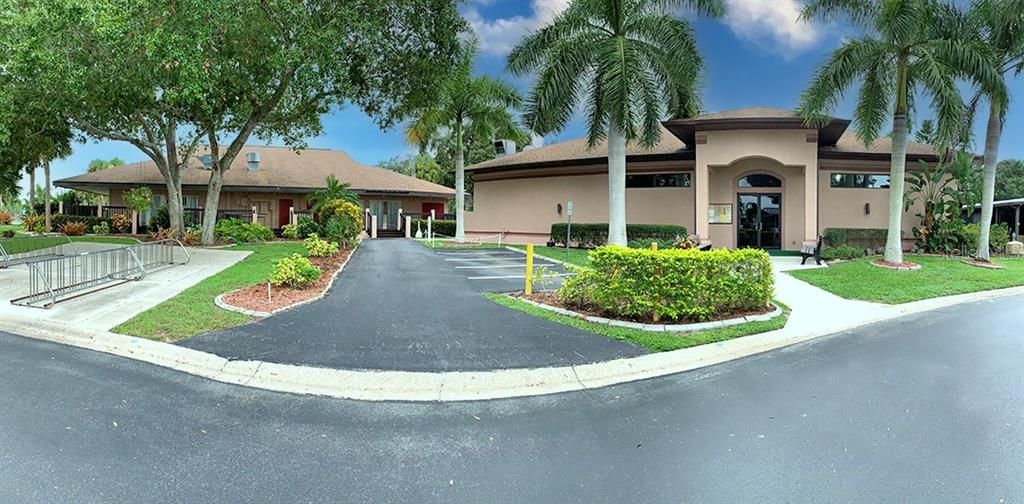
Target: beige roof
(849, 143)
(280, 167)
(576, 149)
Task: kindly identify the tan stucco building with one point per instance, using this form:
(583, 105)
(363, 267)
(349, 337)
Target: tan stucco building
(274, 180)
(754, 177)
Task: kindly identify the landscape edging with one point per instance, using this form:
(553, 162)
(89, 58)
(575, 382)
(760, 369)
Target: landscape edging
(378, 385)
(224, 305)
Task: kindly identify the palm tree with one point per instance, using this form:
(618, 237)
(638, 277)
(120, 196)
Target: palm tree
(630, 61)
(1000, 26)
(467, 106)
(333, 190)
(906, 49)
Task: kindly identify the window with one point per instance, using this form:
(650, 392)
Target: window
(658, 180)
(852, 180)
(759, 180)
(191, 201)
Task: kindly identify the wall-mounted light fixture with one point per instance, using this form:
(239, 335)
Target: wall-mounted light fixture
(867, 208)
(559, 208)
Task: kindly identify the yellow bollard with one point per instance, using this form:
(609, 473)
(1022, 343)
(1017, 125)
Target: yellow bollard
(529, 269)
(654, 245)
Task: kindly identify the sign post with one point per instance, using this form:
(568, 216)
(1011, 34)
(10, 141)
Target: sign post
(528, 288)
(568, 228)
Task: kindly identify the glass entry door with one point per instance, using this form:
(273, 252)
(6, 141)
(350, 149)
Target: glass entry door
(386, 212)
(760, 221)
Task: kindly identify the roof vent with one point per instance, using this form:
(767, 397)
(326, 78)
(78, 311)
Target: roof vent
(504, 147)
(207, 161)
(254, 161)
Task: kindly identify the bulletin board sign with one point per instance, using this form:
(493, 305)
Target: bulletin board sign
(720, 213)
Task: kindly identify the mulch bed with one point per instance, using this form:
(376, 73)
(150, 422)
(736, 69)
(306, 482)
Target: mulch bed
(551, 298)
(254, 297)
(903, 266)
(981, 264)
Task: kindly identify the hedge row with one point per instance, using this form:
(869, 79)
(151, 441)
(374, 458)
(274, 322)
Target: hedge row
(671, 285)
(866, 238)
(441, 227)
(595, 235)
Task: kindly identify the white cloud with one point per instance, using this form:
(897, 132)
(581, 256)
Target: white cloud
(499, 36)
(774, 20)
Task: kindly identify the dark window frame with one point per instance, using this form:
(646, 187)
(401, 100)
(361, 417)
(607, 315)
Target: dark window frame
(685, 177)
(849, 180)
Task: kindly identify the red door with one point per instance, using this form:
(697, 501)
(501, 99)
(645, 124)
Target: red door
(282, 212)
(438, 209)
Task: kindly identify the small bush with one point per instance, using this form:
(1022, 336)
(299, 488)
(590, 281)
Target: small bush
(844, 252)
(672, 284)
(89, 221)
(34, 223)
(138, 199)
(307, 227)
(121, 223)
(8, 233)
(290, 231)
(101, 229)
(342, 230)
(682, 242)
(294, 271)
(316, 247)
(73, 228)
(439, 227)
(998, 237)
(162, 218)
(6, 218)
(237, 231)
(866, 238)
(596, 235)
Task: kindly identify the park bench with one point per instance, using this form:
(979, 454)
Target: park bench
(809, 250)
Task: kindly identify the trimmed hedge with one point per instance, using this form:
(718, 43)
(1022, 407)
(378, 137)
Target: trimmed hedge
(671, 285)
(596, 235)
(441, 227)
(863, 238)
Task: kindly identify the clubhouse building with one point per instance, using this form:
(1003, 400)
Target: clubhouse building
(753, 177)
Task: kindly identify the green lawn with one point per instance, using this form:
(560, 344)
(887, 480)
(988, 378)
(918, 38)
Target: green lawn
(938, 276)
(579, 257)
(192, 311)
(10, 227)
(653, 341)
(24, 243)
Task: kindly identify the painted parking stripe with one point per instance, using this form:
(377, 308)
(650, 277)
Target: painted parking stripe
(514, 276)
(490, 259)
(495, 253)
(523, 265)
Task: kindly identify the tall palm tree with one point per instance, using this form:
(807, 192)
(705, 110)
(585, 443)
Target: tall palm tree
(632, 63)
(906, 49)
(333, 190)
(1000, 26)
(467, 106)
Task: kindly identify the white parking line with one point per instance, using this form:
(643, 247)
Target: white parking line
(496, 252)
(515, 276)
(523, 265)
(492, 259)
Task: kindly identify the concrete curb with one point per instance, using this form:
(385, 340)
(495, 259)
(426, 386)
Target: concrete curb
(224, 305)
(673, 328)
(375, 385)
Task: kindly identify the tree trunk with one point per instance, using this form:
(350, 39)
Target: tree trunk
(460, 187)
(46, 193)
(988, 184)
(616, 186)
(32, 190)
(897, 171)
(212, 203)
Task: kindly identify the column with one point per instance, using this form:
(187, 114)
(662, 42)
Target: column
(811, 203)
(702, 196)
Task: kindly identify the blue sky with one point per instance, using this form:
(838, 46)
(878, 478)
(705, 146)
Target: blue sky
(759, 55)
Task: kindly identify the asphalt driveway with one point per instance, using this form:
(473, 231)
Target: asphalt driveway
(402, 306)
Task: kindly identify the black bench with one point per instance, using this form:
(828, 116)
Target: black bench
(809, 250)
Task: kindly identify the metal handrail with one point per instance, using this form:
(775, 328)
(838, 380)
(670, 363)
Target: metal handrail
(8, 258)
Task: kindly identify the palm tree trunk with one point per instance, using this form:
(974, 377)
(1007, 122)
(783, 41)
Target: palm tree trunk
(616, 186)
(460, 187)
(897, 171)
(32, 190)
(46, 193)
(988, 183)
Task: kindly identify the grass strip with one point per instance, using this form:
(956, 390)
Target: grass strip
(653, 341)
(579, 257)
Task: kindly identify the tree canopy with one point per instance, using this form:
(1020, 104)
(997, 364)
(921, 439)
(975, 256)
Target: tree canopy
(102, 164)
(1009, 179)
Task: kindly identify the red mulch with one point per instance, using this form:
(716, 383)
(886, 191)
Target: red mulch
(551, 298)
(982, 264)
(905, 265)
(254, 297)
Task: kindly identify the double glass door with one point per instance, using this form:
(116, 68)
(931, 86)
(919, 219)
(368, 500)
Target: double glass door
(760, 220)
(386, 212)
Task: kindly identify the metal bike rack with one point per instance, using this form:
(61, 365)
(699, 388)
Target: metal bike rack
(23, 249)
(57, 279)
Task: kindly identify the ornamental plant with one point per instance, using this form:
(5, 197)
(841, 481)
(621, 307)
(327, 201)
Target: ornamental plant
(317, 247)
(294, 271)
(138, 199)
(121, 223)
(290, 231)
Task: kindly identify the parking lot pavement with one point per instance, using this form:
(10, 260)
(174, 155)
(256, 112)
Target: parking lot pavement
(503, 270)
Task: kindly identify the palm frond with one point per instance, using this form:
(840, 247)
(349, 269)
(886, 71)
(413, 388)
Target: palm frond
(860, 12)
(937, 80)
(831, 79)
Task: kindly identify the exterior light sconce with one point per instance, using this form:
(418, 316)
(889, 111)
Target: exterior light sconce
(559, 208)
(867, 208)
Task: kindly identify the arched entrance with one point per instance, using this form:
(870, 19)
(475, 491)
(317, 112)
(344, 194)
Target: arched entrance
(759, 209)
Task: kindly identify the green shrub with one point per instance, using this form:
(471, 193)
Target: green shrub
(138, 199)
(8, 233)
(294, 271)
(290, 231)
(237, 231)
(439, 227)
(101, 229)
(672, 284)
(307, 226)
(341, 230)
(596, 235)
(862, 238)
(316, 247)
(34, 223)
(162, 218)
(844, 252)
(998, 237)
(89, 221)
(121, 223)
(73, 228)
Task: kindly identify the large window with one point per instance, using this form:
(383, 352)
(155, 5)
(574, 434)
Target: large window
(861, 181)
(759, 180)
(658, 180)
